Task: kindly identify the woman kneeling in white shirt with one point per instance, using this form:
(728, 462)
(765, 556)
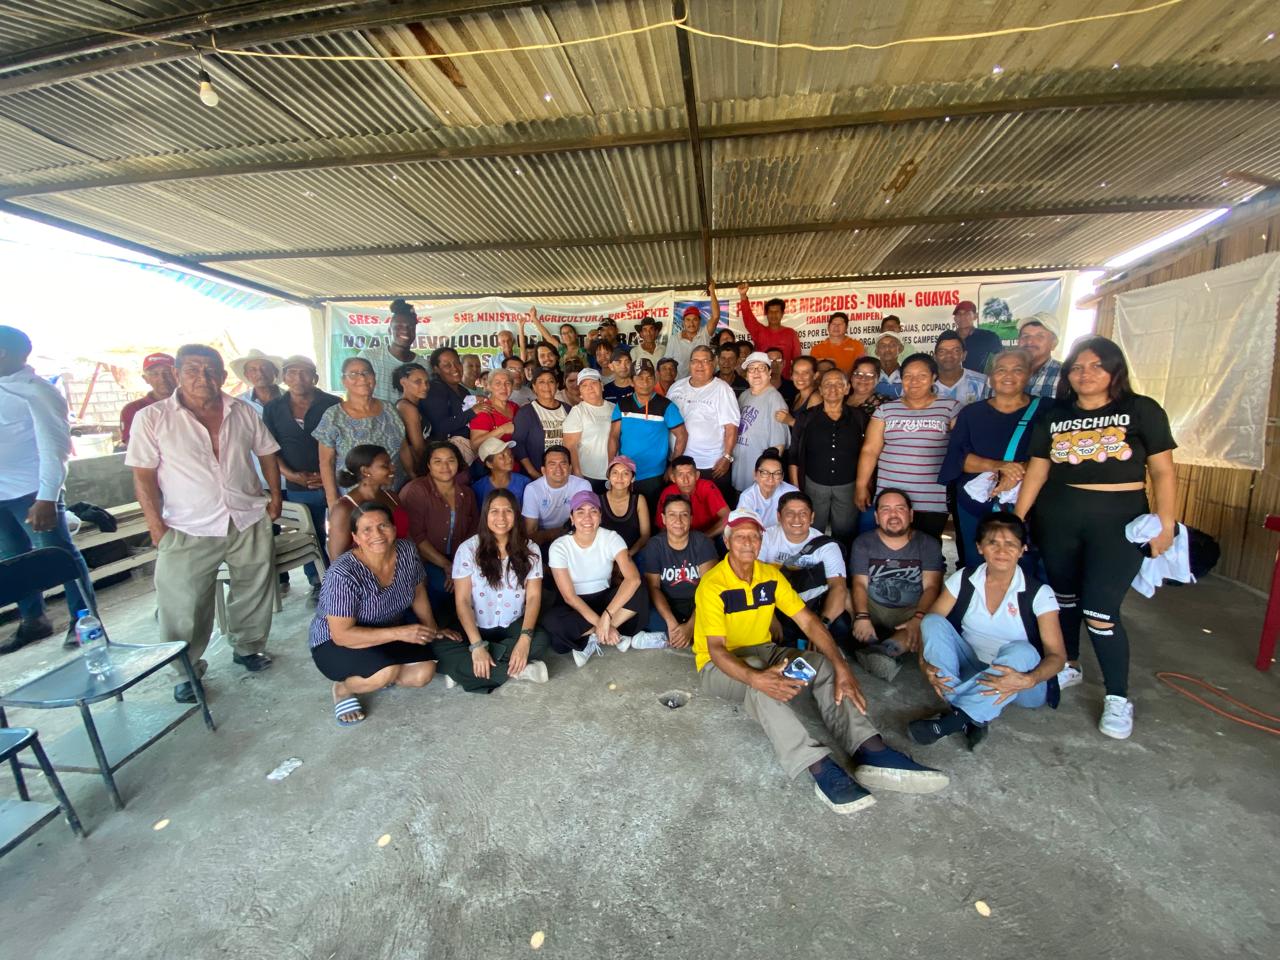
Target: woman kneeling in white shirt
(992, 638)
(591, 612)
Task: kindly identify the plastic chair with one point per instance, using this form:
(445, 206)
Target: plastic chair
(21, 818)
(118, 734)
(295, 546)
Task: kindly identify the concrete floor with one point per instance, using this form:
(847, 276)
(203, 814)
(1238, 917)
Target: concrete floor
(622, 829)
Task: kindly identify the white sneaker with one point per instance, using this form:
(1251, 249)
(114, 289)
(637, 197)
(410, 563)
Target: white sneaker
(1117, 717)
(648, 640)
(449, 682)
(1070, 676)
(623, 644)
(580, 657)
(535, 671)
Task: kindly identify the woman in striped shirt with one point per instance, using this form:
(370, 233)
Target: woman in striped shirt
(906, 443)
(373, 625)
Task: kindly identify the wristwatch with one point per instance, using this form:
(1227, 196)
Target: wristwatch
(727, 456)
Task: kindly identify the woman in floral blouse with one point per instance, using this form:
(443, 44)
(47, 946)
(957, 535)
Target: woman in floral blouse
(497, 586)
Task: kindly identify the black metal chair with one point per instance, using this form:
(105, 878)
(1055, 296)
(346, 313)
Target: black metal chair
(114, 736)
(21, 818)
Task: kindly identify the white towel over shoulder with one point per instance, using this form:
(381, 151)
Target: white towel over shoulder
(1173, 564)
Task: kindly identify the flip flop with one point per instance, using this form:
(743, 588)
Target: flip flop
(344, 707)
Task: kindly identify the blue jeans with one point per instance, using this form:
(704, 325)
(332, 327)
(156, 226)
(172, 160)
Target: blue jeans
(18, 538)
(953, 657)
(316, 505)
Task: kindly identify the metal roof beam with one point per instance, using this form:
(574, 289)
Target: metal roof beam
(360, 16)
(161, 255)
(219, 18)
(1262, 92)
(723, 233)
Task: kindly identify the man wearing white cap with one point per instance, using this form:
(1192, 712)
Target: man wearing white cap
(737, 660)
(758, 426)
(260, 371)
(290, 418)
(1038, 335)
(888, 351)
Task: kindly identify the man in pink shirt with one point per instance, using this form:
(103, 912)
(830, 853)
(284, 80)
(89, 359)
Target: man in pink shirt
(192, 456)
(775, 335)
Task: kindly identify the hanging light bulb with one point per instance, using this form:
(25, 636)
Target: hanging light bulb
(208, 96)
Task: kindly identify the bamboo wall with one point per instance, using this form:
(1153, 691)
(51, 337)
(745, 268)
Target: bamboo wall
(1228, 504)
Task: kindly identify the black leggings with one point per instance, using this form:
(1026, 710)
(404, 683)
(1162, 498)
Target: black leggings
(567, 627)
(1090, 565)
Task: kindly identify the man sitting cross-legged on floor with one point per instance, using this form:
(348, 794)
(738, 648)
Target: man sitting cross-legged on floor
(373, 625)
(897, 573)
(814, 566)
(737, 661)
(674, 561)
(991, 639)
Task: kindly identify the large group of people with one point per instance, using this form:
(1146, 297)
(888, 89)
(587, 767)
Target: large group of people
(780, 512)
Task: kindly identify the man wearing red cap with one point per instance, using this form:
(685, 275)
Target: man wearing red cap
(692, 334)
(979, 345)
(157, 371)
(737, 660)
(773, 335)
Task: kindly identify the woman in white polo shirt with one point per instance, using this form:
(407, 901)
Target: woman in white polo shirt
(991, 639)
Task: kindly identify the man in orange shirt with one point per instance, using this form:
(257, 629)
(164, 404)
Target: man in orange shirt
(841, 350)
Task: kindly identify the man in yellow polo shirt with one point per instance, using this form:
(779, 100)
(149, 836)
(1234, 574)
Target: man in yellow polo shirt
(737, 660)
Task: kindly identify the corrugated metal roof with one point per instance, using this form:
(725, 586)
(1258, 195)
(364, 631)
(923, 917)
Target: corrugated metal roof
(977, 164)
(146, 120)
(585, 268)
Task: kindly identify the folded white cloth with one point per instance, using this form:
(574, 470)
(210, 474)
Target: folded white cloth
(1173, 564)
(981, 487)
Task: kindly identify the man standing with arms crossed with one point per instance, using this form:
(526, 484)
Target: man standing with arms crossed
(193, 469)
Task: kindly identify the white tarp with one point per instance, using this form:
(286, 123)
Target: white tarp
(1202, 347)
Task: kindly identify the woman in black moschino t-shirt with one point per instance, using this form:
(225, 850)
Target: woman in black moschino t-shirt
(1090, 456)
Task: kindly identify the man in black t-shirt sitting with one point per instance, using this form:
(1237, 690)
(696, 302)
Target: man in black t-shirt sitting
(675, 559)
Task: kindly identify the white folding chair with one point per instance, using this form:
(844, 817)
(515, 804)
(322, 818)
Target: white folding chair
(295, 546)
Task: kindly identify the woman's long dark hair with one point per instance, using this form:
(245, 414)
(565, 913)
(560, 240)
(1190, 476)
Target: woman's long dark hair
(358, 457)
(488, 557)
(1113, 362)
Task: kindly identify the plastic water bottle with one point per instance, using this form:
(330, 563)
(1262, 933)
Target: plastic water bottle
(93, 644)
